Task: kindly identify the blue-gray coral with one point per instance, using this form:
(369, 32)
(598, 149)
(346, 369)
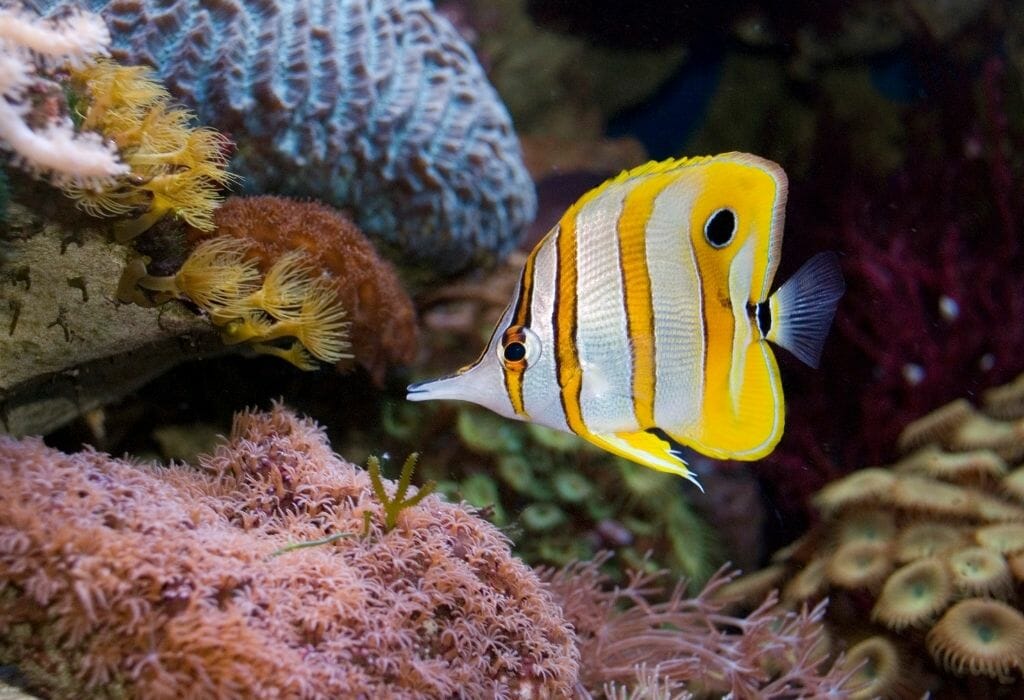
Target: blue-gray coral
(374, 105)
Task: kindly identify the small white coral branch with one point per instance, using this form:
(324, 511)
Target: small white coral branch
(30, 46)
(73, 39)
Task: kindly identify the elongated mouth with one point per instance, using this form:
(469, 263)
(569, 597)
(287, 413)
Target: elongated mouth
(442, 388)
(418, 387)
(463, 385)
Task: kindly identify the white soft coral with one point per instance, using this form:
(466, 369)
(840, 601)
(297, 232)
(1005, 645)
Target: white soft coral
(42, 143)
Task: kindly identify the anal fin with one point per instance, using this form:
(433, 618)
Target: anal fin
(648, 448)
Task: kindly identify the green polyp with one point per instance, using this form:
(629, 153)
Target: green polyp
(516, 472)
(561, 551)
(485, 432)
(542, 517)
(634, 560)
(640, 526)
(553, 439)
(480, 491)
(693, 545)
(572, 486)
(401, 419)
(449, 489)
(599, 509)
(641, 481)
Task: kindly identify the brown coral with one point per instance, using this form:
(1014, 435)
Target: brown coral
(978, 571)
(937, 426)
(383, 320)
(927, 497)
(164, 582)
(876, 669)
(1005, 438)
(913, 595)
(979, 637)
(867, 486)
(1005, 538)
(926, 539)
(859, 564)
(809, 583)
(952, 511)
(867, 525)
(1006, 402)
(976, 466)
(1013, 485)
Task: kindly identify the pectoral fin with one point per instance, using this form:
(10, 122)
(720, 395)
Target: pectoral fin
(647, 448)
(802, 308)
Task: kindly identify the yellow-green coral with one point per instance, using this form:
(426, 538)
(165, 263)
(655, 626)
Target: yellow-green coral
(559, 499)
(214, 277)
(174, 168)
(290, 300)
(317, 320)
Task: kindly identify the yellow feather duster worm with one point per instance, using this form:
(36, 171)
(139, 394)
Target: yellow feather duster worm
(175, 168)
(291, 300)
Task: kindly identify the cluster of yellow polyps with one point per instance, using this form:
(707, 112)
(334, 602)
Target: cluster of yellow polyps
(292, 300)
(174, 167)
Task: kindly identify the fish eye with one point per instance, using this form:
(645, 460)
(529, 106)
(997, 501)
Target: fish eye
(519, 347)
(515, 351)
(720, 228)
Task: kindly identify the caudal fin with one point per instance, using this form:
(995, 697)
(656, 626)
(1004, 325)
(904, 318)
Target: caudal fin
(803, 307)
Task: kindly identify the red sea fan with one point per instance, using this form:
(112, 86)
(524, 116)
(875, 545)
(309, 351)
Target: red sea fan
(934, 266)
(168, 582)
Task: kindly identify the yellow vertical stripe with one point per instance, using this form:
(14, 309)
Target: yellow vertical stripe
(564, 320)
(636, 287)
(741, 408)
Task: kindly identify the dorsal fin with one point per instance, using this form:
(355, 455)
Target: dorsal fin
(654, 167)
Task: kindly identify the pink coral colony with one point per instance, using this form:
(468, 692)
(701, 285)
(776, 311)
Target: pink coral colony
(163, 582)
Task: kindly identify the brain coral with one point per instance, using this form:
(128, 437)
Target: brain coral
(375, 105)
(163, 582)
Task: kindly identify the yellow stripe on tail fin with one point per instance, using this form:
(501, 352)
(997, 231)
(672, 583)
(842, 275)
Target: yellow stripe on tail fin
(803, 307)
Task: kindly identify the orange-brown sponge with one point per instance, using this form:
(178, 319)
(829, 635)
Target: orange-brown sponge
(383, 330)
